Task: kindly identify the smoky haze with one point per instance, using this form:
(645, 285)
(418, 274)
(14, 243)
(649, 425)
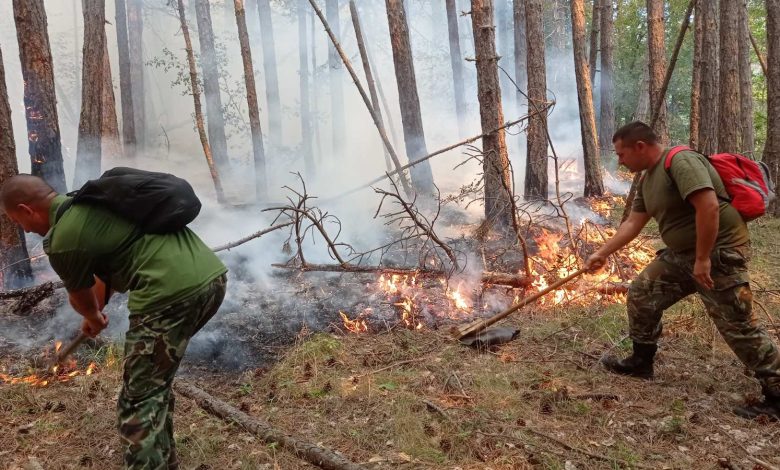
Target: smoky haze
(172, 143)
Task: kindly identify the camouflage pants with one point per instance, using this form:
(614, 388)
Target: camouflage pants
(669, 278)
(154, 347)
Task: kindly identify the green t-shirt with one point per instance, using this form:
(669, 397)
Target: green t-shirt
(664, 199)
(158, 270)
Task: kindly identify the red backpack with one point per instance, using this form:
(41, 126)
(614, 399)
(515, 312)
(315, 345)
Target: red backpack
(747, 181)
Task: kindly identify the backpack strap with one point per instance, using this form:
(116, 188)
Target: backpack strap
(672, 152)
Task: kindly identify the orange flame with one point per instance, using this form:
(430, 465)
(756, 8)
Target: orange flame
(357, 325)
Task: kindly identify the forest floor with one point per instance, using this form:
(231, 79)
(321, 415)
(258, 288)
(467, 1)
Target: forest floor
(418, 399)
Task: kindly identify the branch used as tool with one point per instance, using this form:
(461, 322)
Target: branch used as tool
(312, 453)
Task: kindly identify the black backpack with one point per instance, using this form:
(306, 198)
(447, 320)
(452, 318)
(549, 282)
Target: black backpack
(155, 202)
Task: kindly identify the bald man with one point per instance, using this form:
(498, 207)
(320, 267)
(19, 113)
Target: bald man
(175, 284)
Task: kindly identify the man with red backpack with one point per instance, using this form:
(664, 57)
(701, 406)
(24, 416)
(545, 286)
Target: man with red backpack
(707, 251)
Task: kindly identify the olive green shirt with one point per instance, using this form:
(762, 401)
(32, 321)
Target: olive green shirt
(158, 270)
(664, 198)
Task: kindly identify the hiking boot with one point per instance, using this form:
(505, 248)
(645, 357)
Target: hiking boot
(770, 407)
(639, 364)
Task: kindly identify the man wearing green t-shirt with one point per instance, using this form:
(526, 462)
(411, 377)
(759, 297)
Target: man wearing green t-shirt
(707, 250)
(175, 284)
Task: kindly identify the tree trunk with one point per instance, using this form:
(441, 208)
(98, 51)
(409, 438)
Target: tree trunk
(411, 117)
(495, 161)
(772, 146)
(369, 75)
(536, 163)
(111, 147)
(729, 109)
(40, 102)
(642, 112)
(708, 103)
(317, 141)
(210, 68)
(745, 83)
(303, 81)
(504, 40)
(594, 184)
(657, 65)
(607, 92)
(594, 39)
(456, 61)
(89, 151)
(271, 74)
(14, 261)
(135, 29)
(336, 86)
(196, 99)
(125, 85)
(696, 81)
(258, 150)
(521, 51)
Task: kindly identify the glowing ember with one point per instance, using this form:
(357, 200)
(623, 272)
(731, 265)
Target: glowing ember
(357, 325)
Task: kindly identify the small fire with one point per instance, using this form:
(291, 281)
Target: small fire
(395, 283)
(58, 375)
(357, 325)
(407, 313)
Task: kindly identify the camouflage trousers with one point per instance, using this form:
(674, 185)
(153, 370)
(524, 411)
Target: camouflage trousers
(669, 278)
(154, 347)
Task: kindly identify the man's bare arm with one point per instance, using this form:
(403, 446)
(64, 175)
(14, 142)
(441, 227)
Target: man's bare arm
(86, 304)
(705, 202)
(627, 231)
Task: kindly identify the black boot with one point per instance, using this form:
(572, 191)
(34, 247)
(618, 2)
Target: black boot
(770, 407)
(639, 364)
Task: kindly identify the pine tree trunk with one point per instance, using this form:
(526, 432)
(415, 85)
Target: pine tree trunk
(456, 61)
(521, 51)
(89, 150)
(593, 53)
(657, 66)
(135, 29)
(696, 81)
(504, 40)
(536, 163)
(40, 102)
(125, 85)
(411, 117)
(271, 74)
(594, 184)
(495, 163)
(303, 81)
(729, 109)
(772, 146)
(336, 80)
(15, 268)
(210, 69)
(745, 83)
(317, 141)
(196, 100)
(708, 103)
(258, 150)
(607, 92)
(369, 75)
(111, 147)
(642, 111)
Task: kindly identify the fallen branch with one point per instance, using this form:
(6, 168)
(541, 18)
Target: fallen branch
(43, 290)
(250, 237)
(761, 59)
(312, 453)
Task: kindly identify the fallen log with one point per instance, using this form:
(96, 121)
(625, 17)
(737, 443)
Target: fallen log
(488, 277)
(312, 453)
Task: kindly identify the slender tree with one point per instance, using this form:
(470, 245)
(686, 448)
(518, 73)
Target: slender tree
(125, 85)
(772, 146)
(456, 62)
(135, 29)
(536, 163)
(593, 52)
(411, 117)
(89, 151)
(657, 64)
(728, 107)
(271, 75)
(504, 41)
(745, 83)
(303, 81)
(210, 69)
(521, 51)
(15, 267)
(336, 78)
(111, 146)
(708, 102)
(594, 184)
(607, 92)
(495, 163)
(258, 150)
(40, 102)
(696, 80)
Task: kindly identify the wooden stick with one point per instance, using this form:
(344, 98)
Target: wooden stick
(312, 453)
(63, 354)
(760, 56)
(250, 237)
(481, 324)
